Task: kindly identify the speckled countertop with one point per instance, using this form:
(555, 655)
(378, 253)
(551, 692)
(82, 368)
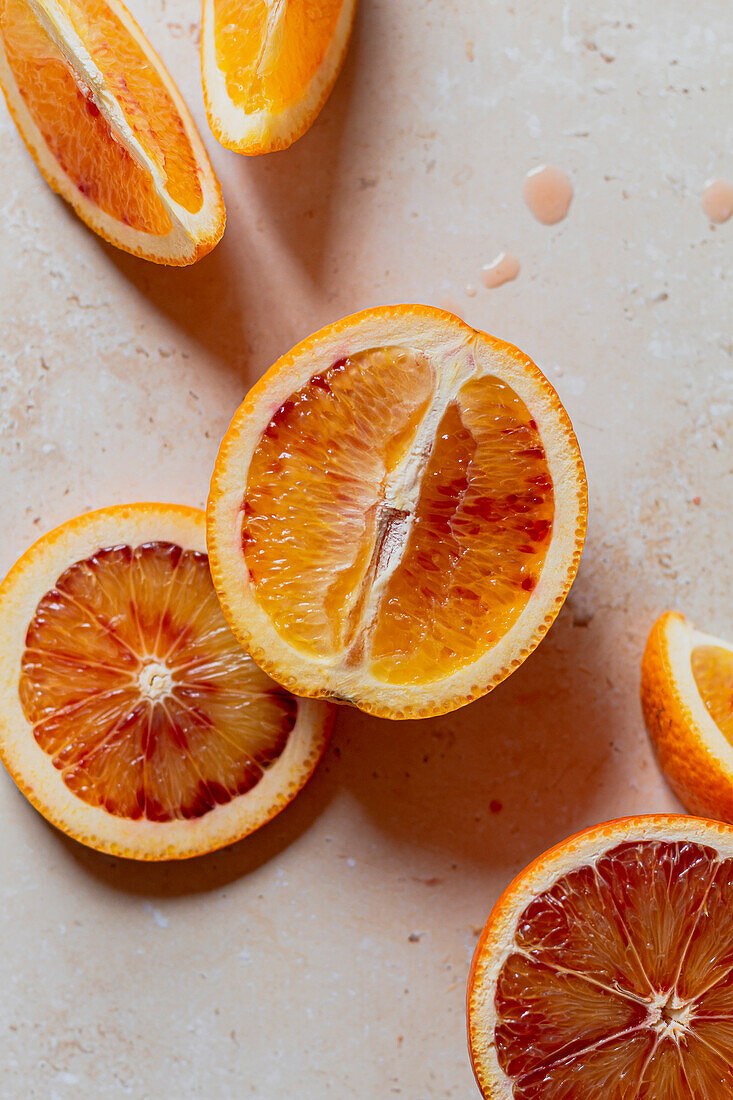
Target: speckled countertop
(327, 955)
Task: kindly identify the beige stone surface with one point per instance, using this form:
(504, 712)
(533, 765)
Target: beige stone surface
(327, 956)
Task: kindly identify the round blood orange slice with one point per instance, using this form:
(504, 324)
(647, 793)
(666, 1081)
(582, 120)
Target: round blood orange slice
(397, 513)
(687, 697)
(605, 971)
(268, 67)
(129, 714)
(108, 128)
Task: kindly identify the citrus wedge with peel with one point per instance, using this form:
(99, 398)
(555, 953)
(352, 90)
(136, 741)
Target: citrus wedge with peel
(108, 128)
(129, 714)
(687, 698)
(268, 66)
(605, 970)
(397, 512)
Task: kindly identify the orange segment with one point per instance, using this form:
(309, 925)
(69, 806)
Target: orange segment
(268, 67)
(606, 982)
(107, 126)
(270, 52)
(401, 518)
(141, 93)
(712, 667)
(77, 134)
(687, 698)
(135, 701)
(482, 527)
(314, 486)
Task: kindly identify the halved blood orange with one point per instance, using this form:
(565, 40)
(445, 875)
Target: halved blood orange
(268, 67)
(397, 513)
(129, 714)
(605, 971)
(108, 128)
(687, 697)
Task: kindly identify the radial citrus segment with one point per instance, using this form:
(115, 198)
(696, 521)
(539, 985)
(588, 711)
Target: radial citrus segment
(107, 126)
(139, 724)
(605, 969)
(402, 517)
(269, 65)
(687, 699)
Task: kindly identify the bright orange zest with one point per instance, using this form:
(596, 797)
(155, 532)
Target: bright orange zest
(112, 135)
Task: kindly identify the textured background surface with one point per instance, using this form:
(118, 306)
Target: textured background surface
(327, 956)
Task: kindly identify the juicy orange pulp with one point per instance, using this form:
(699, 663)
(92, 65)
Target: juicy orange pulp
(712, 667)
(368, 541)
(138, 691)
(270, 50)
(77, 133)
(621, 981)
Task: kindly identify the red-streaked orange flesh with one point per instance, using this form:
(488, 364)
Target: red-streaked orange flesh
(140, 694)
(344, 568)
(619, 984)
(270, 52)
(142, 95)
(77, 134)
(712, 667)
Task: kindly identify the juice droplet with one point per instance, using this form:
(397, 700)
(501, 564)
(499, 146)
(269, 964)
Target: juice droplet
(501, 270)
(470, 291)
(717, 201)
(548, 193)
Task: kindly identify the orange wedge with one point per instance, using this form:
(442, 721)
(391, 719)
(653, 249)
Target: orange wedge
(687, 697)
(129, 715)
(268, 67)
(397, 513)
(108, 128)
(605, 970)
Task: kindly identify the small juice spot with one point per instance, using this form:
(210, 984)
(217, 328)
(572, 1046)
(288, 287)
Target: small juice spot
(501, 270)
(717, 201)
(548, 193)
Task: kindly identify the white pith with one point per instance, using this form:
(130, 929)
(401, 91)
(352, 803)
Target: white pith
(259, 131)
(667, 1013)
(457, 353)
(187, 230)
(35, 574)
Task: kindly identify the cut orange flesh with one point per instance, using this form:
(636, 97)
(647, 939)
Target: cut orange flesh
(712, 667)
(139, 711)
(687, 697)
(107, 127)
(606, 969)
(391, 516)
(269, 65)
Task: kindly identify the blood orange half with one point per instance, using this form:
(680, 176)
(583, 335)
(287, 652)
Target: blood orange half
(397, 513)
(129, 714)
(605, 971)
